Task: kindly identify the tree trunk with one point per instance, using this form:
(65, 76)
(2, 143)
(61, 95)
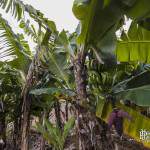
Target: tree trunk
(25, 122)
(80, 76)
(17, 126)
(43, 117)
(3, 129)
(58, 115)
(16, 134)
(31, 80)
(89, 129)
(80, 79)
(66, 111)
(42, 146)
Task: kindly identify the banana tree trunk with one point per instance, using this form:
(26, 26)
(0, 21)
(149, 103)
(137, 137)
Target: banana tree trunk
(90, 131)
(58, 115)
(66, 111)
(17, 126)
(80, 76)
(16, 133)
(42, 121)
(3, 130)
(32, 78)
(25, 125)
(80, 80)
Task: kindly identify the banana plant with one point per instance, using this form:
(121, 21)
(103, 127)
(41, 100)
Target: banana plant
(99, 21)
(54, 135)
(131, 84)
(11, 84)
(125, 81)
(46, 27)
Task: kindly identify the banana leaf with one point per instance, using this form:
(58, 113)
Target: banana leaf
(135, 89)
(54, 135)
(134, 45)
(98, 24)
(100, 19)
(132, 128)
(140, 96)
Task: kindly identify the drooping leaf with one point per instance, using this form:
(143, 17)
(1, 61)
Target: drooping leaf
(97, 21)
(56, 61)
(139, 96)
(14, 47)
(133, 127)
(13, 6)
(135, 89)
(92, 26)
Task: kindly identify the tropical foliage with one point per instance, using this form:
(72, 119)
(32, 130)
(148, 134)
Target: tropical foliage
(66, 80)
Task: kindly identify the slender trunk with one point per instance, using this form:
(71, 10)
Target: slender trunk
(17, 126)
(58, 115)
(25, 123)
(31, 80)
(16, 134)
(3, 129)
(66, 110)
(42, 147)
(42, 120)
(32, 77)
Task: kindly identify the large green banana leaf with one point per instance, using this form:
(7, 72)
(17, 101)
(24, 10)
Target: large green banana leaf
(132, 128)
(98, 24)
(99, 19)
(139, 96)
(135, 45)
(98, 16)
(56, 55)
(136, 89)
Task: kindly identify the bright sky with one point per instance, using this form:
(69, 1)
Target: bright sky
(59, 11)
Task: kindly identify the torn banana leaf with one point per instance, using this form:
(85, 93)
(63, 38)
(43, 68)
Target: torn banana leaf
(132, 128)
